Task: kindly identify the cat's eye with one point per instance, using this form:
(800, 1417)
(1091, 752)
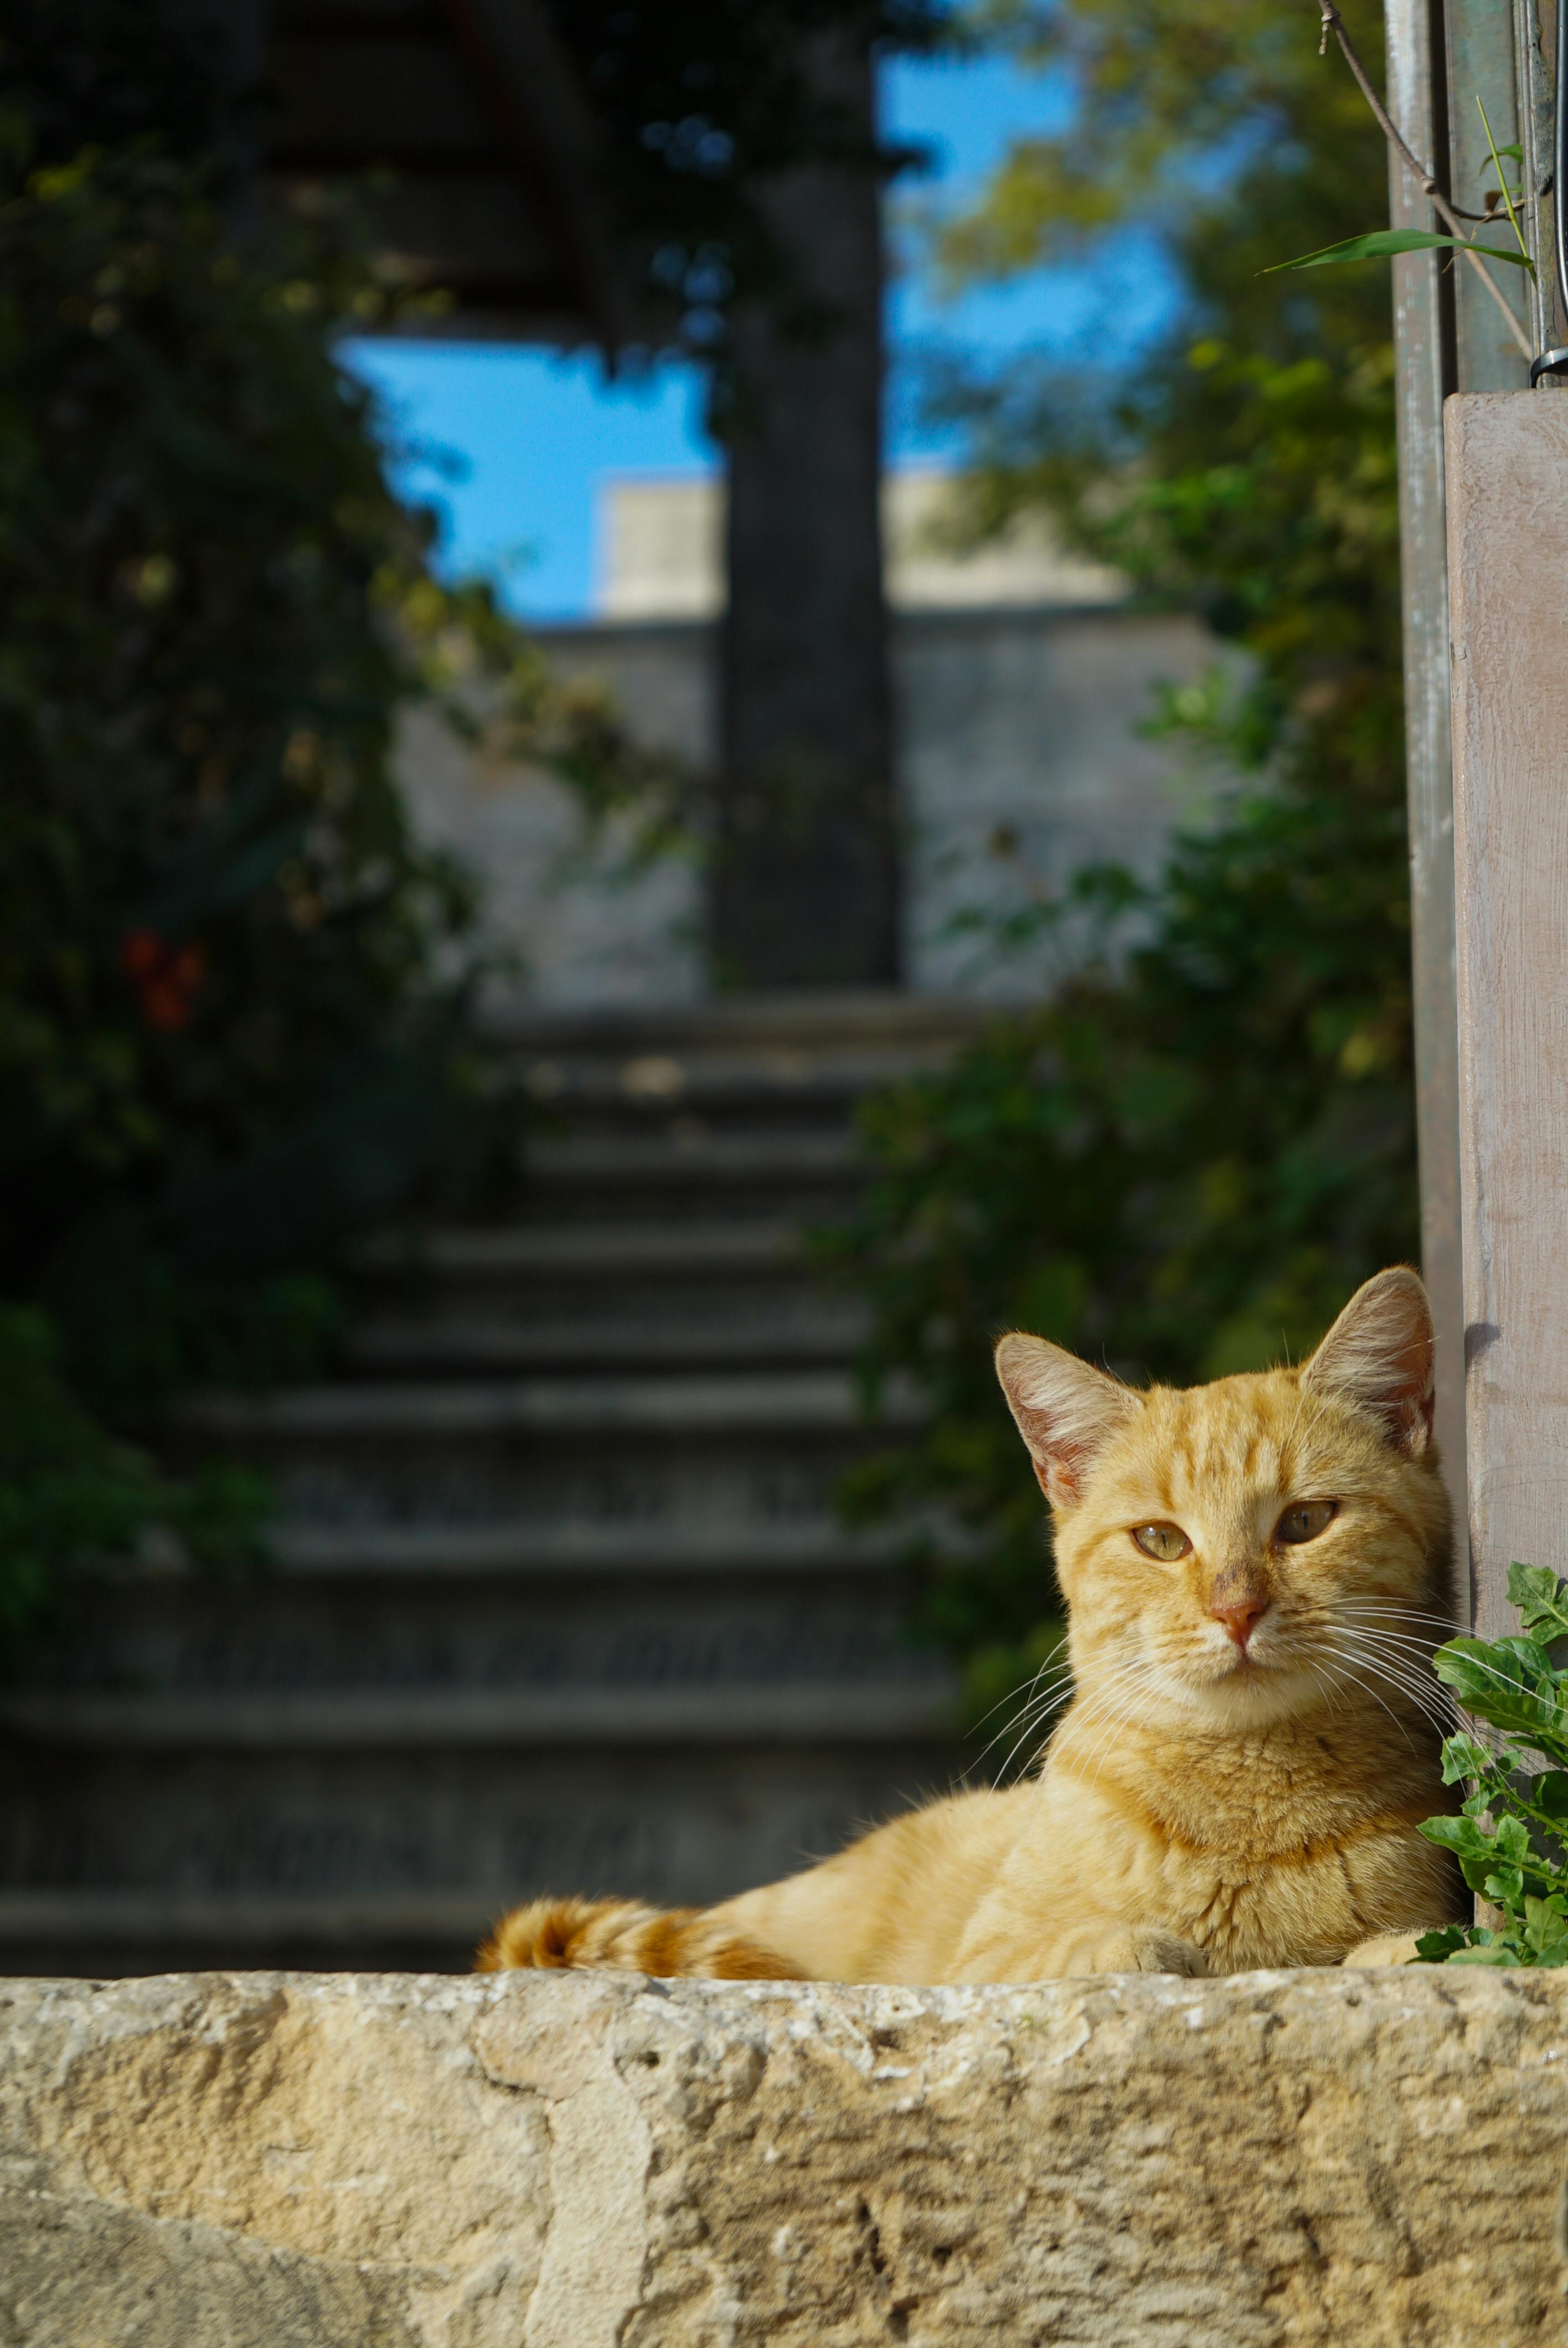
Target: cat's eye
(1304, 1521)
(1167, 1542)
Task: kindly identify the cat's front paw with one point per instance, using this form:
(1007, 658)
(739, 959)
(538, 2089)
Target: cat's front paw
(1157, 1951)
(1387, 1949)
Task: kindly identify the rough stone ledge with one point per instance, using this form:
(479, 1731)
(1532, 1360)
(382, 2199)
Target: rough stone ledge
(274, 2160)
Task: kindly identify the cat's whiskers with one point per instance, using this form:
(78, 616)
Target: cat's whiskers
(1385, 1609)
(1350, 1677)
(1426, 1649)
(1025, 1730)
(1038, 1703)
(1412, 1651)
(1105, 1687)
(1086, 1707)
(1134, 1678)
(1029, 1735)
(1426, 1697)
(1055, 1664)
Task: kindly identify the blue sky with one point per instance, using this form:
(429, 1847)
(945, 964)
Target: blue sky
(531, 434)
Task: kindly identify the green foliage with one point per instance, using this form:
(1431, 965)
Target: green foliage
(233, 988)
(1383, 243)
(74, 1501)
(209, 903)
(1510, 1836)
(1184, 1161)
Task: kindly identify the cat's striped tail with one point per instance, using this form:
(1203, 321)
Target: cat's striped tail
(629, 1939)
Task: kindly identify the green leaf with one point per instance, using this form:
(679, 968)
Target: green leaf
(1460, 1835)
(1435, 1948)
(1548, 1792)
(1512, 1839)
(1538, 1594)
(1497, 1864)
(1464, 1757)
(1498, 1953)
(1382, 244)
(1508, 1681)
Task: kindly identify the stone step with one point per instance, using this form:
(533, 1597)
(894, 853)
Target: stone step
(708, 1270)
(827, 1025)
(767, 1447)
(169, 1932)
(785, 1403)
(804, 1332)
(735, 1063)
(527, 1254)
(688, 1170)
(558, 1599)
(491, 1640)
(855, 1713)
(1286, 2160)
(814, 1547)
(689, 1156)
(485, 1824)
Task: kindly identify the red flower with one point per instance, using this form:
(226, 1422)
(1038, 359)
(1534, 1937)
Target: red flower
(166, 978)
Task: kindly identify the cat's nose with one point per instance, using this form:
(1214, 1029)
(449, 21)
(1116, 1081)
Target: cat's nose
(1240, 1612)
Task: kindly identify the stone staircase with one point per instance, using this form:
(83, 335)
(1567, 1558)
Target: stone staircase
(558, 1598)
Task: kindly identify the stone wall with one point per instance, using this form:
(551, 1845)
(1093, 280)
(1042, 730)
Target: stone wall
(570, 2161)
(1020, 759)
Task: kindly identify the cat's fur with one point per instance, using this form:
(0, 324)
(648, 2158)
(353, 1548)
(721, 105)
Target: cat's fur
(1239, 1777)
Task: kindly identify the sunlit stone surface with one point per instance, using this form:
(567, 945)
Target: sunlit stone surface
(579, 2161)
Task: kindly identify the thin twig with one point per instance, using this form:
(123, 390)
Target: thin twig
(1334, 23)
(1502, 183)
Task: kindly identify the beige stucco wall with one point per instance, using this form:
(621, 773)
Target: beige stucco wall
(1019, 754)
(579, 2161)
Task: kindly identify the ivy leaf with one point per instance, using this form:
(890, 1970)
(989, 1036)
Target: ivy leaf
(1462, 1836)
(1548, 1792)
(1512, 1839)
(1464, 1757)
(1508, 1681)
(1538, 1594)
(1469, 1844)
(1380, 243)
(1436, 1946)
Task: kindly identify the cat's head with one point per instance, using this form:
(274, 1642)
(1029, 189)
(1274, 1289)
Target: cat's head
(1242, 1551)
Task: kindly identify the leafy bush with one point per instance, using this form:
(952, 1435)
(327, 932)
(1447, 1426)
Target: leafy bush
(233, 989)
(220, 998)
(1186, 1160)
(73, 1499)
(1511, 1837)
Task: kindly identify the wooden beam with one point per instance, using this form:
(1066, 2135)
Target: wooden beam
(1424, 358)
(493, 189)
(1508, 573)
(399, 100)
(554, 140)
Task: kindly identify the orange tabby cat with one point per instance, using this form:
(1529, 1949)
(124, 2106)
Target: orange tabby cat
(1253, 1572)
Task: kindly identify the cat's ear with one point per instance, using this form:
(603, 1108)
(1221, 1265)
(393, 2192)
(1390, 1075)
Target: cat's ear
(1065, 1411)
(1381, 1355)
